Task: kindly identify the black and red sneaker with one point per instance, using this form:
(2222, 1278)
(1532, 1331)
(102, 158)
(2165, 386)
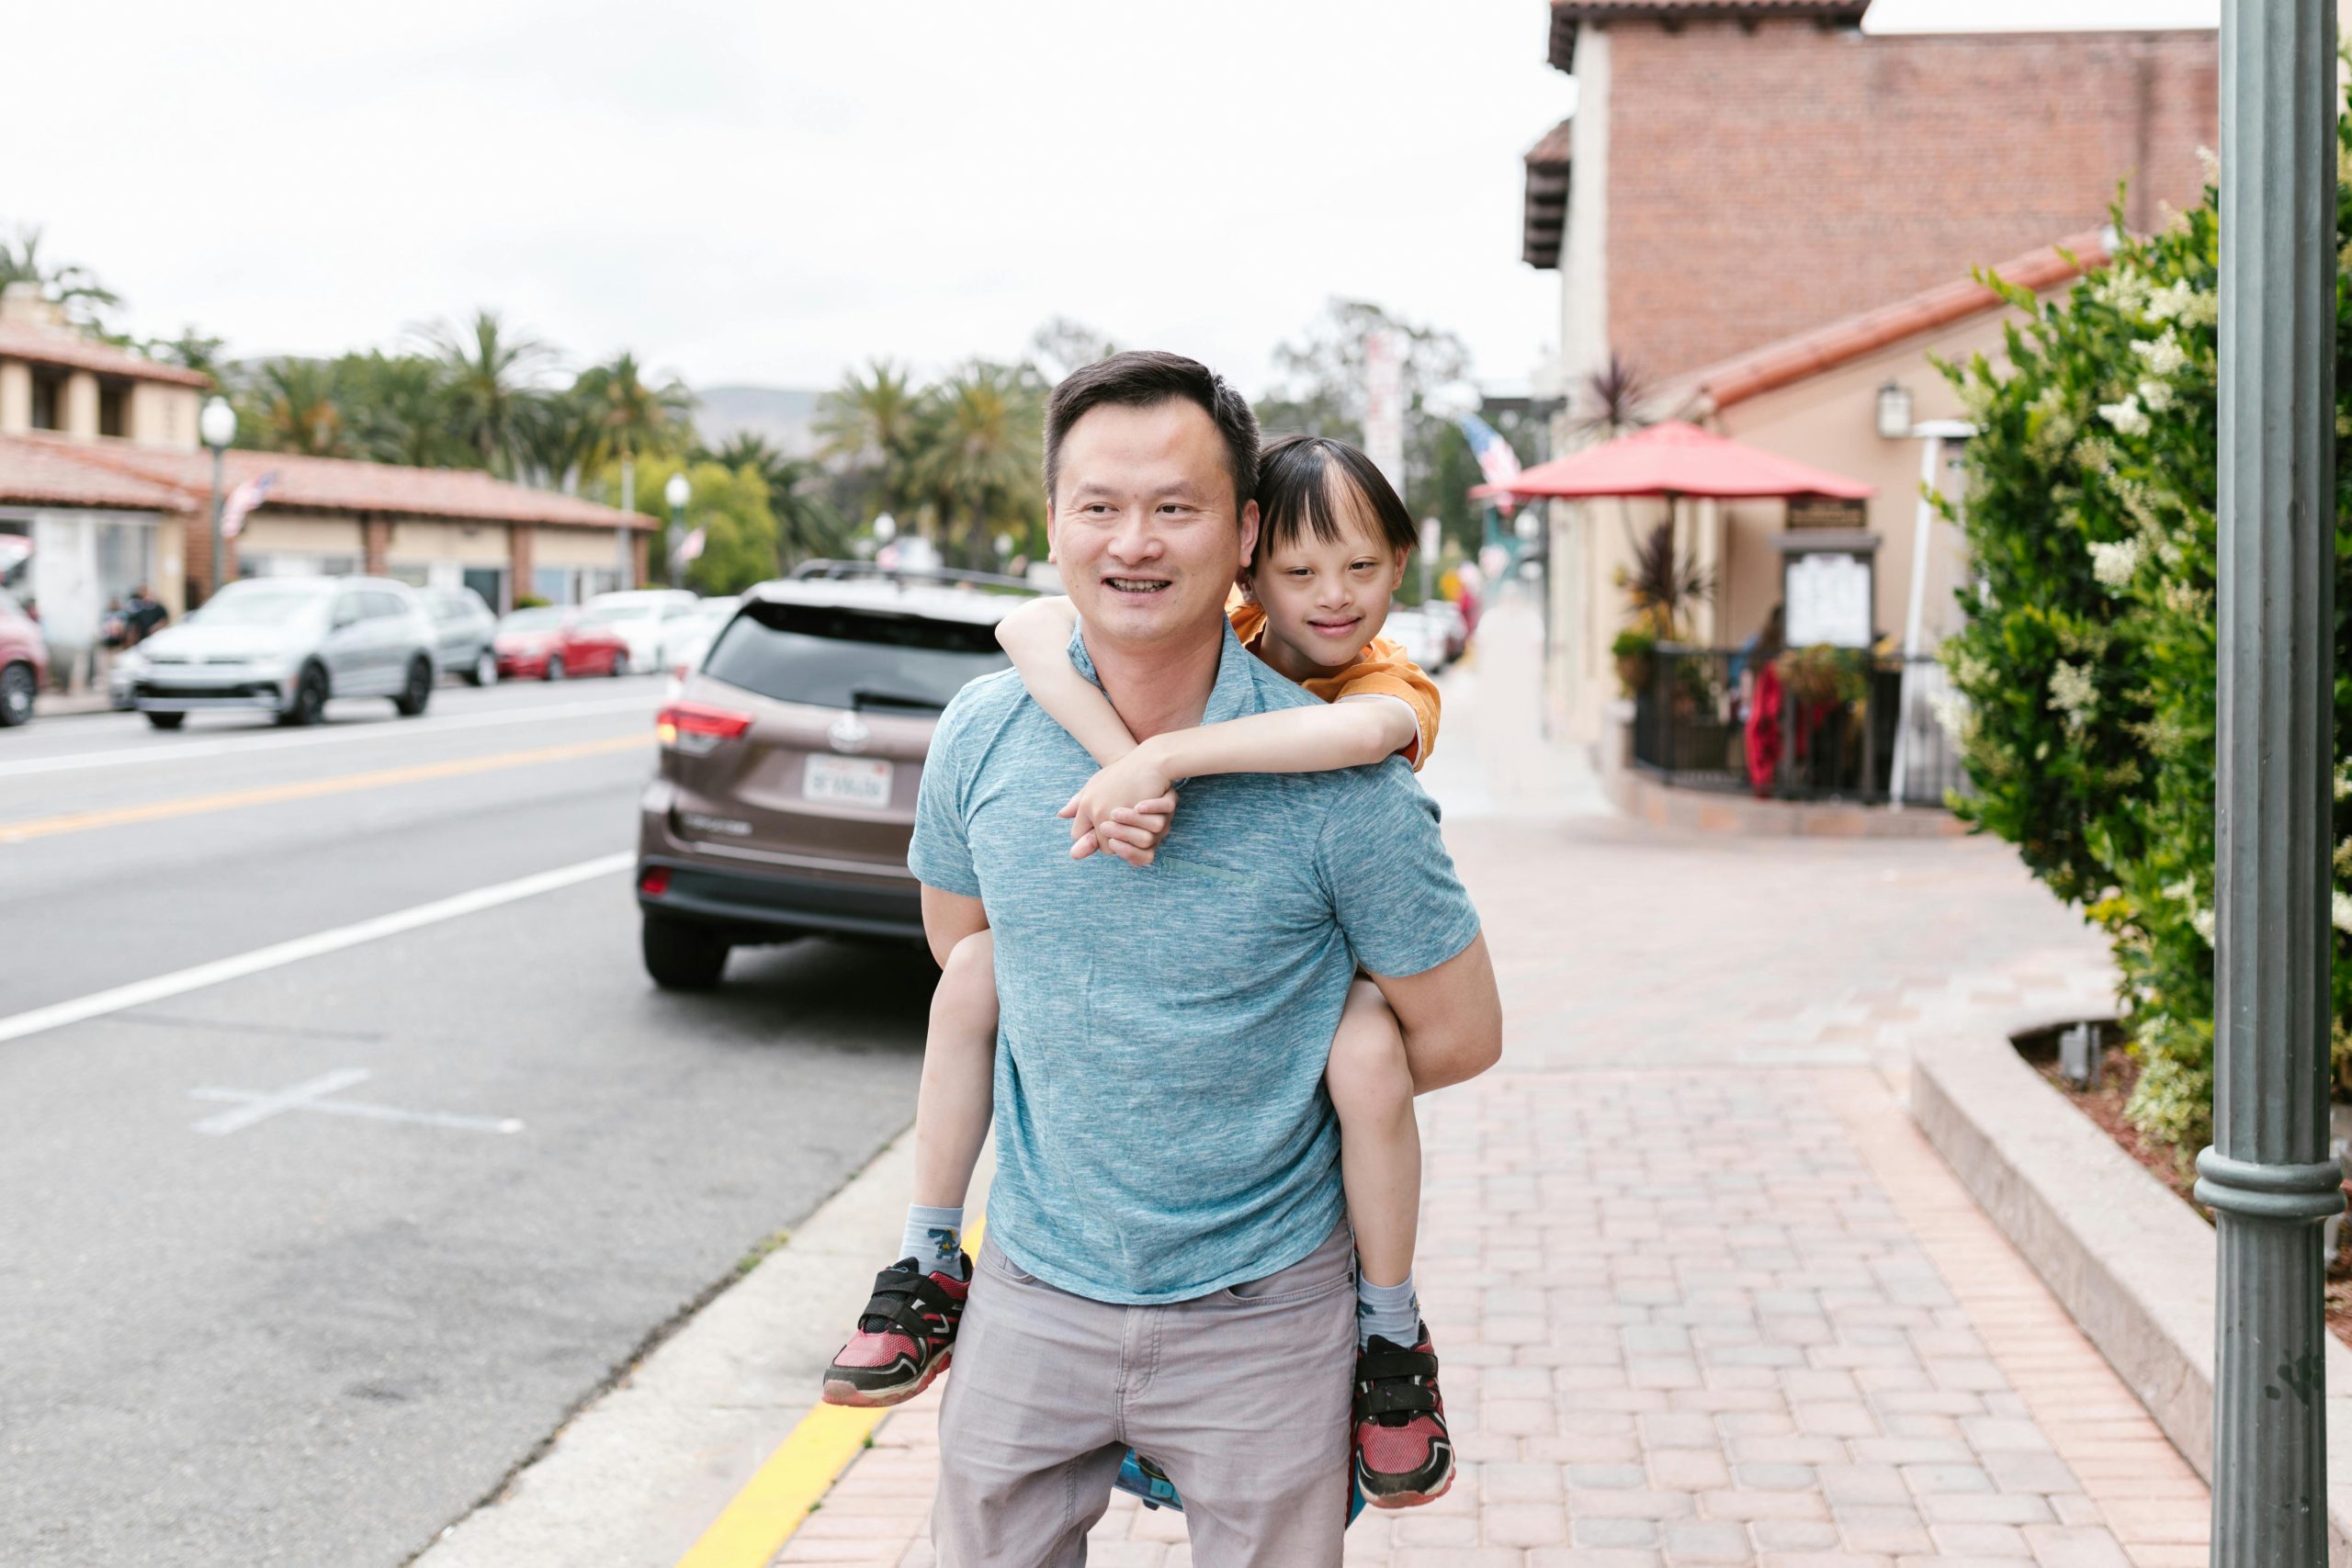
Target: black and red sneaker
(1404, 1457)
(905, 1338)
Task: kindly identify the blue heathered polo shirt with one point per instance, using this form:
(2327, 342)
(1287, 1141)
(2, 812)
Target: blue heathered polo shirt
(1161, 1126)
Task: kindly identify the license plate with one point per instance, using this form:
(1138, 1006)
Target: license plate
(848, 781)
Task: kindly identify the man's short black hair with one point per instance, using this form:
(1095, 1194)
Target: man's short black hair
(1141, 379)
(1302, 484)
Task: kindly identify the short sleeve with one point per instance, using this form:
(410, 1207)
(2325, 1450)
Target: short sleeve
(941, 852)
(1390, 881)
(1387, 671)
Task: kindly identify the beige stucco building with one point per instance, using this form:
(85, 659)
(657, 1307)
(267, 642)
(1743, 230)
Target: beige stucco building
(106, 487)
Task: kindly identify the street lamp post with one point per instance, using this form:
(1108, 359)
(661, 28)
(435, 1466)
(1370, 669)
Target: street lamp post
(621, 533)
(2268, 1176)
(217, 424)
(676, 493)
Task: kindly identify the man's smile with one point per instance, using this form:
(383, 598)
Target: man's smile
(1135, 585)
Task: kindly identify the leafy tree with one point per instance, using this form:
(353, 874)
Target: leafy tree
(1062, 345)
(870, 424)
(192, 350)
(491, 388)
(396, 408)
(632, 417)
(1320, 388)
(729, 504)
(808, 526)
(981, 433)
(2089, 665)
(291, 405)
(86, 300)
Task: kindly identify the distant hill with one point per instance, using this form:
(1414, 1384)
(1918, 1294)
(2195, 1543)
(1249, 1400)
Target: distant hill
(778, 414)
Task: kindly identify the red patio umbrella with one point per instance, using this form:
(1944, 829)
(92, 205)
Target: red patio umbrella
(1675, 458)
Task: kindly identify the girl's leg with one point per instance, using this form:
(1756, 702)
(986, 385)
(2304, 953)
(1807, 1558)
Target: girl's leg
(1380, 1144)
(956, 1100)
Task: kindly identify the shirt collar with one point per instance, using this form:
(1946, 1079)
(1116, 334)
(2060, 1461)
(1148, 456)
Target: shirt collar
(1228, 698)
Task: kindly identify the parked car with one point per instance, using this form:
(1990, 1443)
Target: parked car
(643, 616)
(1452, 623)
(554, 641)
(465, 626)
(685, 638)
(1423, 641)
(24, 663)
(790, 759)
(286, 645)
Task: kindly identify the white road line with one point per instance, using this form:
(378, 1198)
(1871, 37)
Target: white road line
(163, 750)
(179, 982)
(262, 1107)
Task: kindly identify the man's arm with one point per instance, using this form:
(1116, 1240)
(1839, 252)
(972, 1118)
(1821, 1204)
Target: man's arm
(948, 919)
(1452, 1016)
(1037, 637)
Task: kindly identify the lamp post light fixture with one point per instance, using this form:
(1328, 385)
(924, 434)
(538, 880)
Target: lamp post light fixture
(217, 424)
(1894, 410)
(677, 492)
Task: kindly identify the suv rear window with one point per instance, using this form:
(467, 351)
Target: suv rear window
(833, 657)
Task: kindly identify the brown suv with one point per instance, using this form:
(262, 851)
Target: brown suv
(790, 760)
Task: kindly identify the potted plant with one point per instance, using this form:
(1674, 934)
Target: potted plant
(1632, 651)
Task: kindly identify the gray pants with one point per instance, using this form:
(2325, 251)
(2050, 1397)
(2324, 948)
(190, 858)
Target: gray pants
(1241, 1396)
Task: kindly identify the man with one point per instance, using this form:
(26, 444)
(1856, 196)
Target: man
(1167, 1264)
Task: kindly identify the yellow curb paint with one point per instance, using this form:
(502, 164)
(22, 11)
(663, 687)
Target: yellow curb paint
(274, 795)
(754, 1526)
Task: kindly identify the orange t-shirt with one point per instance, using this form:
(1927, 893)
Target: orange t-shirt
(1380, 670)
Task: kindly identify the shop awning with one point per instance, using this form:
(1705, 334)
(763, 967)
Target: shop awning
(1675, 459)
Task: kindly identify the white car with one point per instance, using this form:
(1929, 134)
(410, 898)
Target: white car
(284, 646)
(685, 638)
(643, 616)
(1423, 638)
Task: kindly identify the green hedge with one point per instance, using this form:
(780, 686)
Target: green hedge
(2088, 660)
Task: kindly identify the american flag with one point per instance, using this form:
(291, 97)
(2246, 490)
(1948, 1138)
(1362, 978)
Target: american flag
(1495, 459)
(242, 500)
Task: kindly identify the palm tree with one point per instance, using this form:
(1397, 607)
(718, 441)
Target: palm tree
(982, 431)
(292, 408)
(872, 422)
(562, 442)
(67, 283)
(491, 385)
(631, 416)
(397, 410)
(807, 525)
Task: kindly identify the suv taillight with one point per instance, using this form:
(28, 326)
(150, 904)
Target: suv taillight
(697, 728)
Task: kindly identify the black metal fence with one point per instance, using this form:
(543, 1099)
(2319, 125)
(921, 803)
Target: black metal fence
(1845, 728)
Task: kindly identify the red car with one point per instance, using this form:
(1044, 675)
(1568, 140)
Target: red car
(24, 663)
(551, 643)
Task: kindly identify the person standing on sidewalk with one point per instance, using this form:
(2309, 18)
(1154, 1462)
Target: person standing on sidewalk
(1168, 1264)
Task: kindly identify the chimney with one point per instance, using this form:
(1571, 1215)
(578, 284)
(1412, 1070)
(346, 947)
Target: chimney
(24, 302)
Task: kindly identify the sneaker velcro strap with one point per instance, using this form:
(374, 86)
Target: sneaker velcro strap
(1395, 1398)
(1378, 1366)
(899, 1300)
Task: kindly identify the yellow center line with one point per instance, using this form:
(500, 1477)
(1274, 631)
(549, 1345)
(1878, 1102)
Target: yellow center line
(273, 795)
(754, 1528)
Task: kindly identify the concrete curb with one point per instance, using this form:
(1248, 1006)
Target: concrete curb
(2133, 1265)
(635, 1479)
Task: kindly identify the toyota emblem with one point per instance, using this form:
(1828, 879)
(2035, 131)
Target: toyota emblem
(849, 734)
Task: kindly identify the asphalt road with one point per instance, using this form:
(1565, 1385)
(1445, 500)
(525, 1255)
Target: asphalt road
(239, 1330)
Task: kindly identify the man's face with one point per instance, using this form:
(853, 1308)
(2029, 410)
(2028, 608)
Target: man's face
(1144, 526)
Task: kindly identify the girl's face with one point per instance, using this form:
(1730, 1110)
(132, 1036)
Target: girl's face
(1324, 601)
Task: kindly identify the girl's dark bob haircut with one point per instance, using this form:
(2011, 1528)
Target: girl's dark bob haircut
(1305, 480)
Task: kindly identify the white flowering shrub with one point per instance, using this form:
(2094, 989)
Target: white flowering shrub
(2090, 659)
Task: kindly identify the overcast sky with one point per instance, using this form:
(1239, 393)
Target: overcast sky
(772, 191)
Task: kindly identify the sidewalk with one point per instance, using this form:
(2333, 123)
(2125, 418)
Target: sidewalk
(1703, 1292)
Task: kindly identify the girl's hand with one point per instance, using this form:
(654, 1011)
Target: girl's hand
(1124, 811)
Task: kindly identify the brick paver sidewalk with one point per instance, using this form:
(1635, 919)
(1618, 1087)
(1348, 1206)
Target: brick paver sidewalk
(1702, 1293)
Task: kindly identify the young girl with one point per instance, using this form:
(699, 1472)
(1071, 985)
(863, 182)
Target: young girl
(1332, 543)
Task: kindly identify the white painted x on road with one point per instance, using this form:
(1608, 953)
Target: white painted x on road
(312, 1095)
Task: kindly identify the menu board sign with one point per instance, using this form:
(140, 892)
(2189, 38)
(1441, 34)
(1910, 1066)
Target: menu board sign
(1828, 596)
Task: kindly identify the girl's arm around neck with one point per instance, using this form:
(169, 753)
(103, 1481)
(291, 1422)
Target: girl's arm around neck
(1037, 637)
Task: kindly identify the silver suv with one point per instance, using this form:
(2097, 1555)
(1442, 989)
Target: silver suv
(790, 760)
(284, 646)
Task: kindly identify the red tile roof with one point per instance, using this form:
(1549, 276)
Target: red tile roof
(44, 473)
(1807, 354)
(1566, 15)
(182, 480)
(44, 345)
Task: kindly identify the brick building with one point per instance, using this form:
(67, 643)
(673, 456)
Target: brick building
(1746, 179)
